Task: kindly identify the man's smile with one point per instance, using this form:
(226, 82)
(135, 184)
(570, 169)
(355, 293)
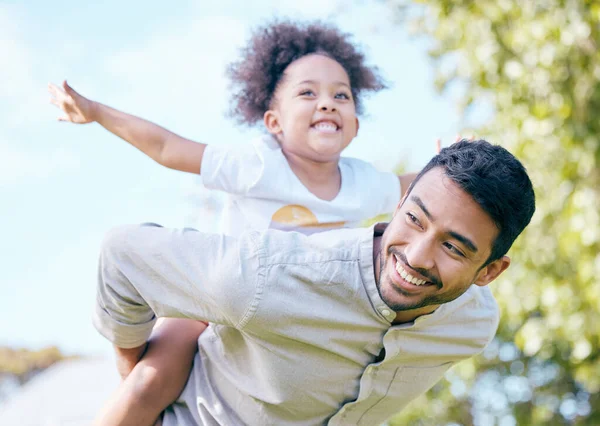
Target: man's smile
(405, 278)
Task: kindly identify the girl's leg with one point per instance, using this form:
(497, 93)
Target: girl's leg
(158, 378)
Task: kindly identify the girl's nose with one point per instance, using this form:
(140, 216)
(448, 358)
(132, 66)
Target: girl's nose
(327, 105)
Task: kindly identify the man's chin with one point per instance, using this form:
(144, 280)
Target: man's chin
(399, 301)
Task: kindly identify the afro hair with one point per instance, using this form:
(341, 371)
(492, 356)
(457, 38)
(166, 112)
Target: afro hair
(254, 78)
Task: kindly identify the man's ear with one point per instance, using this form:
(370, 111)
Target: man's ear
(271, 119)
(492, 271)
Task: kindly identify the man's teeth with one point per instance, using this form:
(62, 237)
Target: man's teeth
(408, 277)
(326, 127)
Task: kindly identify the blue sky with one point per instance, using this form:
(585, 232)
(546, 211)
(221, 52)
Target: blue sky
(63, 186)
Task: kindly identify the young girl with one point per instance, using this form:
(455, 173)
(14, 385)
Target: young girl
(304, 84)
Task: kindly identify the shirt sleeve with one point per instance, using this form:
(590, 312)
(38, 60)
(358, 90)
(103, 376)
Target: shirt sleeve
(149, 271)
(235, 168)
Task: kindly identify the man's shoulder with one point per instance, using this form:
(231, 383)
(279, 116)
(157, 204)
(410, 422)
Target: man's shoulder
(476, 303)
(276, 246)
(475, 312)
(461, 328)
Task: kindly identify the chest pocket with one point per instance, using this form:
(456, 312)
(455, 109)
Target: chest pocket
(407, 384)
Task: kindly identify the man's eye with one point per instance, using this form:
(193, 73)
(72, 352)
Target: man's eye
(413, 219)
(453, 249)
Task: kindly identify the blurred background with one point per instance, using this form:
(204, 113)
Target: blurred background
(523, 74)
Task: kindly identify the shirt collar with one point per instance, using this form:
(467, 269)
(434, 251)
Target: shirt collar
(383, 311)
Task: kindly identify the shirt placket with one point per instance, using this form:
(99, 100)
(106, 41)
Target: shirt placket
(373, 386)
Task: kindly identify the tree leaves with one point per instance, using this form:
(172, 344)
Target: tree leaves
(537, 66)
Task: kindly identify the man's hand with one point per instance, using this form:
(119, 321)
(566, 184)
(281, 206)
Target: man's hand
(128, 358)
(77, 108)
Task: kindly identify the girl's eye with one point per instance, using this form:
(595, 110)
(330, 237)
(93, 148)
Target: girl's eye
(453, 249)
(342, 96)
(306, 92)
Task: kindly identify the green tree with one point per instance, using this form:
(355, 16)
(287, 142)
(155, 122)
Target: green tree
(536, 65)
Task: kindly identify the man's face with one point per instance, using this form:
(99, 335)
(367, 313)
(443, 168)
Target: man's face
(435, 247)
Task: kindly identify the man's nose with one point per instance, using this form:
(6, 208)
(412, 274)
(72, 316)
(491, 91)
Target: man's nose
(419, 254)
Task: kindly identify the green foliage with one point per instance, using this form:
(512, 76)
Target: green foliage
(537, 65)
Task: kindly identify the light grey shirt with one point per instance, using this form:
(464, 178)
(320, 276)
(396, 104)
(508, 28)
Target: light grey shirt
(299, 334)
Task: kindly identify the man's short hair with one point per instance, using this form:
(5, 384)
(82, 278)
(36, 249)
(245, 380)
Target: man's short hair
(496, 180)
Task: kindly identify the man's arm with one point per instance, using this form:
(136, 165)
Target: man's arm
(405, 181)
(149, 271)
(407, 178)
(158, 143)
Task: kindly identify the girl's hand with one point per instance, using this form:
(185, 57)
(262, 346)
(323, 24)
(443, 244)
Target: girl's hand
(77, 108)
(438, 142)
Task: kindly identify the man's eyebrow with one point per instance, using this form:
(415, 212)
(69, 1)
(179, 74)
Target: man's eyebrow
(419, 202)
(464, 240)
(467, 242)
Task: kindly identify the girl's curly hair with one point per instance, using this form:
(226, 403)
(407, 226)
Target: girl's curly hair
(273, 47)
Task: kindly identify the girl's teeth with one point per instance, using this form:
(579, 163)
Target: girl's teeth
(328, 127)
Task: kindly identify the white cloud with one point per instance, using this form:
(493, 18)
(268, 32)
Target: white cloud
(260, 10)
(15, 57)
(308, 9)
(64, 286)
(180, 69)
(17, 166)
(23, 96)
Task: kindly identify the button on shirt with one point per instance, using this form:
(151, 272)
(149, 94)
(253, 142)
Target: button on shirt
(299, 334)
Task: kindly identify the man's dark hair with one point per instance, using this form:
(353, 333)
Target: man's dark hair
(496, 180)
(273, 47)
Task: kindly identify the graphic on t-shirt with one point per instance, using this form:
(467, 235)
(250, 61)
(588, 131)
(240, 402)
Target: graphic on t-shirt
(297, 216)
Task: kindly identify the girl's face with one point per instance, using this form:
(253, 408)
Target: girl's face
(313, 114)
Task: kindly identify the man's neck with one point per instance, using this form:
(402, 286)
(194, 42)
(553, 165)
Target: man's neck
(404, 317)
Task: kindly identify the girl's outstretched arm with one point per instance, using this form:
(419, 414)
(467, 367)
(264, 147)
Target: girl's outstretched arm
(158, 143)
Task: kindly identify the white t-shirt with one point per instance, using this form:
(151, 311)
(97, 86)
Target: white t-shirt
(263, 191)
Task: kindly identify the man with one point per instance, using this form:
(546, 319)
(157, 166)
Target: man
(340, 328)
